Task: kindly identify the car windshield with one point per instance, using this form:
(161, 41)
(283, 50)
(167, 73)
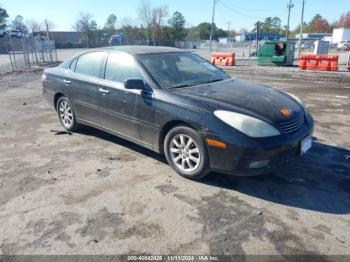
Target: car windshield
(180, 69)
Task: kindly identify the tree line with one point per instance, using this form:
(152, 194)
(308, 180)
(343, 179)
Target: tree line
(158, 27)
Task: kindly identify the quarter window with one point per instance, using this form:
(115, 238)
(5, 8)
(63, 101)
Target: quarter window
(121, 67)
(90, 64)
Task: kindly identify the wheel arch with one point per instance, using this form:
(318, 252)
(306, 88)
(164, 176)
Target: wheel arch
(56, 97)
(167, 127)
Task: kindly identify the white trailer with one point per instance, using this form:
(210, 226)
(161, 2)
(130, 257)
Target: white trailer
(340, 35)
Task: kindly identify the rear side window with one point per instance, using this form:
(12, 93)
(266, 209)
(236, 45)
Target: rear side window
(90, 64)
(121, 67)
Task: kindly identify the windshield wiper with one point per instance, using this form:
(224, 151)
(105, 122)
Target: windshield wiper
(214, 80)
(188, 85)
(184, 85)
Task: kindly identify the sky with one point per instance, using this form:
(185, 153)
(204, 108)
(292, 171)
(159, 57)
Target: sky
(241, 14)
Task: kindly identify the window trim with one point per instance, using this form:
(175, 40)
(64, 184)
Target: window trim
(137, 64)
(75, 59)
(100, 66)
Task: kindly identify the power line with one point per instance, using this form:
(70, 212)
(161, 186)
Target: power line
(245, 15)
(257, 10)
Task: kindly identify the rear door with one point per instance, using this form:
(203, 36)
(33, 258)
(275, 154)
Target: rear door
(127, 112)
(82, 83)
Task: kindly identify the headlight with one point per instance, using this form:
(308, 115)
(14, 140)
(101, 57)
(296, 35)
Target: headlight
(248, 125)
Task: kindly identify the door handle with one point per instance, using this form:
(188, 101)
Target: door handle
(67, 82)
(104, 91)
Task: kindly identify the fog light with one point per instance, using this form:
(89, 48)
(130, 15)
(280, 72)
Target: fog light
(259, 164)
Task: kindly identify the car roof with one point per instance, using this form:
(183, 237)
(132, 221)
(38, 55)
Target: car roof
(132, 50)
(137, 50)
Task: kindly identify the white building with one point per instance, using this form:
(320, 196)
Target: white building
(340, 34)
(313, 36)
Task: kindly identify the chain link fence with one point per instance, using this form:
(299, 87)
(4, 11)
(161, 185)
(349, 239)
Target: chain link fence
(26, 52)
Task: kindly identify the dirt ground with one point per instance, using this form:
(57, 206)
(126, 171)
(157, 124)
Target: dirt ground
(93, 193)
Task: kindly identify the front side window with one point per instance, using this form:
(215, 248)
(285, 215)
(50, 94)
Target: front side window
(90, 64)
(175, 70)
(121, 67)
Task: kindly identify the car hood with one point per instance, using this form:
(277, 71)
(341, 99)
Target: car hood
(245, 97)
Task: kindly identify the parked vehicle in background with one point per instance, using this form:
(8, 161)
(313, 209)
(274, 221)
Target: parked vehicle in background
(306, 45)
(17, 33)
(176, 103)
(116, 39)
(344, 45)
(41, 38)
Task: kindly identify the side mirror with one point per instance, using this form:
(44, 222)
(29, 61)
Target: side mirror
(134, 84)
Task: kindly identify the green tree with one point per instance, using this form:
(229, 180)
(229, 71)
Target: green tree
(220, 33)
(92, 33)
(297, 29)
(3, 18)
(18, 24)
(133, 34)
(177, 26)
(276, 25)
(266, 26)
(110, 26)
(270, 25)
(193, 34)
(204, 30)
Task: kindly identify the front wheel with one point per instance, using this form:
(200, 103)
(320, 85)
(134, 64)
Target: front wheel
(185, 152)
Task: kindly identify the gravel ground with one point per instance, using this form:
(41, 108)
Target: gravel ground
(93, 193)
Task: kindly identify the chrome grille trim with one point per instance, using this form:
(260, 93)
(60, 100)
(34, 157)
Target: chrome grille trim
(292, 126)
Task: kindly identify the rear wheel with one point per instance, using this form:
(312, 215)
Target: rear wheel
(66, 114)
(185, 152)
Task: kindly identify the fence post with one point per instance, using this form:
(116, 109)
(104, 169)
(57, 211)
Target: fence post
(8, 52)
(34, 49)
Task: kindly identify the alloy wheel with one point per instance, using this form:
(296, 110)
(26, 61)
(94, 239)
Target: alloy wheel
(184, 153)
(66, 114)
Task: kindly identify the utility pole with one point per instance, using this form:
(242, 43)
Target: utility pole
(47, 30)
(228, 29)
(48, 38)
(301, 29)
(289, 6)
(212, 25)
(257, 37)
(228, 33)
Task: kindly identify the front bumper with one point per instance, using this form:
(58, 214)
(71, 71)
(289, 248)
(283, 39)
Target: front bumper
(238, 159)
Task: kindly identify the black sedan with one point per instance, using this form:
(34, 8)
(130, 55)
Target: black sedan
(176, 103)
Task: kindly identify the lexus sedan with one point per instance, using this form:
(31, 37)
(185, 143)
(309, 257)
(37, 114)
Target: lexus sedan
(177, 104)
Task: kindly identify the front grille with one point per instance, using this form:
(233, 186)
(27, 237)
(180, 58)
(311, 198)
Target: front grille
(292, 126)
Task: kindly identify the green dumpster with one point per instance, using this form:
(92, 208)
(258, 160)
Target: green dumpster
(276, 53)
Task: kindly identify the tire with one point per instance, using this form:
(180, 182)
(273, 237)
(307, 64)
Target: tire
(66, 114)
(182, 155)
